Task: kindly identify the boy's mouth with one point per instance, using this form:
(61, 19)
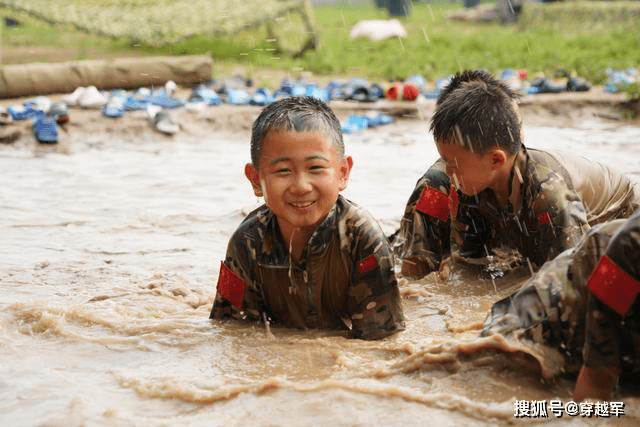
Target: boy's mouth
(301, 205)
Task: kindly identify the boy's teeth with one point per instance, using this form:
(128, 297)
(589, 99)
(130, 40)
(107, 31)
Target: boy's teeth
(302, 205)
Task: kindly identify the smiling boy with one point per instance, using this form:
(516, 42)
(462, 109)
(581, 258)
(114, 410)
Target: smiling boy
(307, 258)
(488, 194)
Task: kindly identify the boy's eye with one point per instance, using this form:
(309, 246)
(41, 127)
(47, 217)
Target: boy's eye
(283, 171)
(316, 168)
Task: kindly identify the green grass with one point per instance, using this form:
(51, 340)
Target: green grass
(586, 37)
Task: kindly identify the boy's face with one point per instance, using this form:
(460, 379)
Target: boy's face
(469, 172)
(300, 177)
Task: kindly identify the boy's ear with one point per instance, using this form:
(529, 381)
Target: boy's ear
(254, 178)
(498, 158)
(345, 170)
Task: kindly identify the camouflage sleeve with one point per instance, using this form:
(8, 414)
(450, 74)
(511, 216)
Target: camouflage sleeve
(237, 294)
(423, 238)
(614, 285)
(374, 299)
(559, 218)
(602, 339)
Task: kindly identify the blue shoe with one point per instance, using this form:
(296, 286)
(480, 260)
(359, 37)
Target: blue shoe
(317, 93)
(205, 94)
(332, 89)
(299, 90)
(161, 99)
(40, 104)
(261, 97)
(377, 118)
(435, 92)
(544, 85)
(237, 97)
(133, 103)
(21, 112)
(115, 106)
(285, 88)
(355, 123)
(44, 128)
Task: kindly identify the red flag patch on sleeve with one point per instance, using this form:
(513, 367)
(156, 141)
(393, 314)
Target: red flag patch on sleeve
(369, 263)
(544, 218)
(230, 286)
(613, 286)
(434, 203)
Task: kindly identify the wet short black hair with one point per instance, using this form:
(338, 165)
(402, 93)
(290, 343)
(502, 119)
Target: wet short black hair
(298, 114)
(478, 112)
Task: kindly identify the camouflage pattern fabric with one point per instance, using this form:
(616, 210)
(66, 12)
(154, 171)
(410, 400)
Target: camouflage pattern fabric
(344, 278)
(556, 308)
(561, 196)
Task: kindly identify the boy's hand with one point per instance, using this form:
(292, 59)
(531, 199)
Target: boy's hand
(414, 268)
(595, 383)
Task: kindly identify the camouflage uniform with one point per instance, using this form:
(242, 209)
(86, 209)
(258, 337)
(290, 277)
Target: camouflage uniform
(344, 278)
(561, 196)
(582, 302)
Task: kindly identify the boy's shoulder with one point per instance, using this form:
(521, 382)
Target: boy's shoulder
(258, 219)
(353, 215)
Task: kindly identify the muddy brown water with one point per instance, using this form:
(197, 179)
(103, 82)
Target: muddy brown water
(109, 258)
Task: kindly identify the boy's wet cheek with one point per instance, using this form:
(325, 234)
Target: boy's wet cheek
(263, 186)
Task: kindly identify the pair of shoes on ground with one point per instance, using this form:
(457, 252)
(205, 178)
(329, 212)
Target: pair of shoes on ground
(545, 85)
(355, 89)
(45, 115)
(574, 83)
(86, 97)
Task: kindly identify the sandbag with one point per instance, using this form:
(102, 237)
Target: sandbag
(124, 73)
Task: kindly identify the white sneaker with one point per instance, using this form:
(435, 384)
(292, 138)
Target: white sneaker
(165, 123)
(72, 98)
(170, 87)
(92, 98)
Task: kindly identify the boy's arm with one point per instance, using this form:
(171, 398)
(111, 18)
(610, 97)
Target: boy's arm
(601, 353)
(236, 294)
(559, 217)
(423, 237)
(374, 299)
(614, 286)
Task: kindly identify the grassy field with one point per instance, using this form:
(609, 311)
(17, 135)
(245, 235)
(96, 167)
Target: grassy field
(586, 37)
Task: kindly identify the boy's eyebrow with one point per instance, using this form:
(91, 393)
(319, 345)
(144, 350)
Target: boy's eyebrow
(311, 157)
(278, 159)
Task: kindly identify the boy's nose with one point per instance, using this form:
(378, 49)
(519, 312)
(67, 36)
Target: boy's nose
(301, 183)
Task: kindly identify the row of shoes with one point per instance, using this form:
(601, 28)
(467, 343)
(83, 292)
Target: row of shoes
(563, 81)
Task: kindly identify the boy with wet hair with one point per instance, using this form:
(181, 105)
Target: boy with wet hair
(488, 195)
(308, 257)
(584, 304)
